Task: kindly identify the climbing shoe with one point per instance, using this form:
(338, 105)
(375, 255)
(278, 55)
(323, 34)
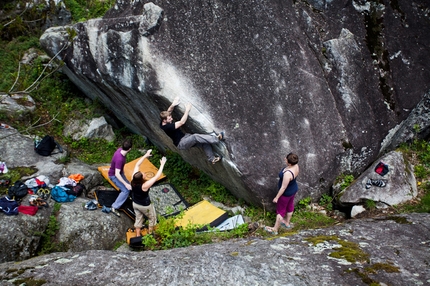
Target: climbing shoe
(378, 183)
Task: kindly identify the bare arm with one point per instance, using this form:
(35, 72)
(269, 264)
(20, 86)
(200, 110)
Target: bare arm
(174, 103)
(184, 117)
(138, 163)
(119, 177)
(285, 181)
(151, 181)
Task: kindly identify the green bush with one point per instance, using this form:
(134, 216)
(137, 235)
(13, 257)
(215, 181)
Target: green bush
(83, 10)
(327, 202)
(304, 203)
(345, 181)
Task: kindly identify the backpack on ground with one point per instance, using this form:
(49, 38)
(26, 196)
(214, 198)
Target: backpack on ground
(132, 240)
(45, 146)
(18, 190)
(60, 195)
(75, 190)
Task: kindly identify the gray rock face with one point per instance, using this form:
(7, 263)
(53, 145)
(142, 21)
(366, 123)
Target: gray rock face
(79, 230)
(327, 80)
(20, 235)
(82, 229)
(94, 128)
(19, 105)
(389, 251)
(18, 151)
(400, 187)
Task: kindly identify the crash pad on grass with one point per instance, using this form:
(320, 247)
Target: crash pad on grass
(146, 168)
(202, 213)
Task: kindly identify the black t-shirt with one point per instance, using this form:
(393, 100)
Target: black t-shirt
(175, 134)
(140, 197)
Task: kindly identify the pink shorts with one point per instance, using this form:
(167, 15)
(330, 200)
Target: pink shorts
(285, 205)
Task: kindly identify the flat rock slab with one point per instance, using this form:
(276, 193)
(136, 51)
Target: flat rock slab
(401, 243)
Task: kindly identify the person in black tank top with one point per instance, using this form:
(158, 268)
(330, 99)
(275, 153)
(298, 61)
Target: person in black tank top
(287, 189)
(140, 194)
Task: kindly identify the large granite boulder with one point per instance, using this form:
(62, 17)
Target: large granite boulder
(381, 251)
(328, 80)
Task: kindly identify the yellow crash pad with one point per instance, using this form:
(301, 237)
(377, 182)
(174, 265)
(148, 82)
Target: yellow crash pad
(146, 168)
(202, 213)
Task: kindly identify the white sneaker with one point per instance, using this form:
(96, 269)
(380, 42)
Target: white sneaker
(115, 212)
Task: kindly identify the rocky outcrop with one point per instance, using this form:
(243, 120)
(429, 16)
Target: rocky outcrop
(386, 251)
(399, 186)
(325, 79)
(90, 129)
(19, 105)
(79, 229)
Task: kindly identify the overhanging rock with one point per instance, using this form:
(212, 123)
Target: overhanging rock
(278, 77)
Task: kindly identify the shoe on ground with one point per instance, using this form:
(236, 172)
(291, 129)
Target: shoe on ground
(270, 230)
(378, 183)
(115, 212)
(368, 184)
(286, 226)
(90, 206)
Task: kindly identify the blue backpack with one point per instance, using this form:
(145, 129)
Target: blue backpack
(60, 195)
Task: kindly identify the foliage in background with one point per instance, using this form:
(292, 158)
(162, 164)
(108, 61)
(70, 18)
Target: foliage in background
(421, 150)
(344, 181)
(327, 202)
(83, 10)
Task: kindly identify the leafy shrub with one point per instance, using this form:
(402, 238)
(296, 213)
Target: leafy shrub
(326, 201)
(304, 203)
(88, 9)
(345, 181)
(370, 204)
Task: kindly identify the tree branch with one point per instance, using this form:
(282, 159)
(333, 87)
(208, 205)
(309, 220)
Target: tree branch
(33, 126)
(17, 76)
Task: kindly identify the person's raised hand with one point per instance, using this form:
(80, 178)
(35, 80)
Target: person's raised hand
(163, 160)
(148, 153)
(188, 106)
(176, 101)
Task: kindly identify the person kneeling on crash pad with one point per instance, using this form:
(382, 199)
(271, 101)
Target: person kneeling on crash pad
(140, 194)
(117, 176)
